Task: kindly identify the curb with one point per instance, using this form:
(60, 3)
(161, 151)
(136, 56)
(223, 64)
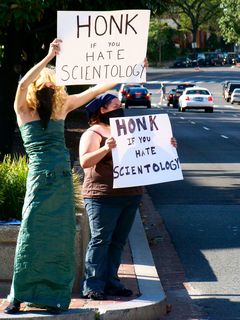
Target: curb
(151, 305)
(77, 314)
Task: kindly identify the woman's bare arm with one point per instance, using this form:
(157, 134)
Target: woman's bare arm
(77, 100)
(32, 74)
(90, 152)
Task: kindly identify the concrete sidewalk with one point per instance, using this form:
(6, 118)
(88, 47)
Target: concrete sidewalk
(137, 272)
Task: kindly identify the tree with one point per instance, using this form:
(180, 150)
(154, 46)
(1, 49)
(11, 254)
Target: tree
(192, 14)
(160, 43)
(18, 25)
(229, 23)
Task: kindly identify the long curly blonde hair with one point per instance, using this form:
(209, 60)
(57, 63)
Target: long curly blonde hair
(48, 78)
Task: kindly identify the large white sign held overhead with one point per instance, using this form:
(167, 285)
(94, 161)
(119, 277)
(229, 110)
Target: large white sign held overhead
(144, 154)
(102, 46)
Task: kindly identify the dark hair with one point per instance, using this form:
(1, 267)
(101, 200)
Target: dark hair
(45, 104)
(95, 117)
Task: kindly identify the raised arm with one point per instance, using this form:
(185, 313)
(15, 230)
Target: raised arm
(32, 75)
(77, 100)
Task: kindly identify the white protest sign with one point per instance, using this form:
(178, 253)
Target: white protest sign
(102, 46)
(144, 154)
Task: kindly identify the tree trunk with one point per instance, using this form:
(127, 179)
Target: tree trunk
(194, 39)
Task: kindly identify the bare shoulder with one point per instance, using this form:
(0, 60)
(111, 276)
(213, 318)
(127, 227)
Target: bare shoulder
(25, 115)
(94, 130)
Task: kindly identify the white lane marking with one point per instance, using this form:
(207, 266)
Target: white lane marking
(228, 106)
(225, 137)
(212, 166)
(224, 106)
(192, 122)
(206, 128)
(182, 118)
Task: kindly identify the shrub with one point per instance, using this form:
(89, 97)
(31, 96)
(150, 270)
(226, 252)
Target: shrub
(77, 188)
(13, 174)
(13, 177)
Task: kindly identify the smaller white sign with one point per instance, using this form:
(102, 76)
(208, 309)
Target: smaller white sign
(144, 154)
(102, 46)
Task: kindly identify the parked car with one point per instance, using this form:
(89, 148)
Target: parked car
(182, 62)
(176, 97)
(196, 98)
(170, 96)
(123, 90)
(235, 96)
(213, 58)
(229, 89)
(138, 96)
(198, 59)
(230, 58)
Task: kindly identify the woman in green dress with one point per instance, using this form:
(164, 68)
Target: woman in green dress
(44, 266)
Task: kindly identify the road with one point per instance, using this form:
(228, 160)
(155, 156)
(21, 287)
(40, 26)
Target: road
(202, 212)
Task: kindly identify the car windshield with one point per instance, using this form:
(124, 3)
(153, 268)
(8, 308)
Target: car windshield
(131, 85)
(237, 91)
(200, 91)
(134, 90)
(183, 86)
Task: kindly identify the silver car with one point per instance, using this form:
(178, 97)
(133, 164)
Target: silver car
(235, 96)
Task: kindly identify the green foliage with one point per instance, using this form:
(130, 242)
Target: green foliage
(229, 23)
(21, 12)
(192, 15)
(160, 42)
(97, 315)
(77, 187)
(1, 197)
(213, 42)
(13, 178)
(13, 174)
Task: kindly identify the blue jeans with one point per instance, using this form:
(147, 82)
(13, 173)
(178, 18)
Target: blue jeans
(110, 221)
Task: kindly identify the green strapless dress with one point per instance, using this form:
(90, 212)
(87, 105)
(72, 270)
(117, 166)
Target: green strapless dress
(44, 266)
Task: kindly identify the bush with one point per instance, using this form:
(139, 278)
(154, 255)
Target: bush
(13, 174)
(13, 177)
(77, 189)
